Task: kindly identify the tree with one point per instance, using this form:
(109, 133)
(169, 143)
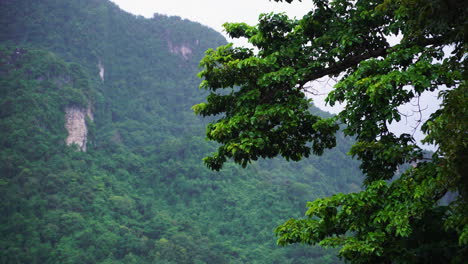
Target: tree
(259, 100)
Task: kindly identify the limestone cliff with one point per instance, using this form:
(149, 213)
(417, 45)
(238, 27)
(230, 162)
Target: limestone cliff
(75, 124)
(183, 50)
(101, 70)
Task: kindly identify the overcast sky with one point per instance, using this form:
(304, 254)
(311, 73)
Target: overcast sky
(214, 13)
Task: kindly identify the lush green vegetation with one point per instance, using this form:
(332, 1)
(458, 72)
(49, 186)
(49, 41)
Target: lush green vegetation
(259, 97)
(140, 194)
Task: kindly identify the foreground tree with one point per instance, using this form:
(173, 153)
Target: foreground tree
(259, 99)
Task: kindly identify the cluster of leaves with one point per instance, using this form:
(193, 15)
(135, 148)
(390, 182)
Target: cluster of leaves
(259, 99)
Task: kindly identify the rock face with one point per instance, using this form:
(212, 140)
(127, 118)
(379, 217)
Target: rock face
(101, 70)
(76, 126)
(183, 50)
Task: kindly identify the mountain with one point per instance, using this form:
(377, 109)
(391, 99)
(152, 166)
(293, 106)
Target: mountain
(101, 154)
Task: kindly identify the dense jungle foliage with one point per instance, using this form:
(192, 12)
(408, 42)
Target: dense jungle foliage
(140, 193)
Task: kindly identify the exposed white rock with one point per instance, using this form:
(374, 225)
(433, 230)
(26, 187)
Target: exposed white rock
(183, 50)
(75, 118)
(101, 70)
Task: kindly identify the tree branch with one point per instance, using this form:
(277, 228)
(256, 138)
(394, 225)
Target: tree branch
(355, 60)
(343, 65)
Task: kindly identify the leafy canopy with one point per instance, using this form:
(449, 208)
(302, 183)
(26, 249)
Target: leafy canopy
(258, 98)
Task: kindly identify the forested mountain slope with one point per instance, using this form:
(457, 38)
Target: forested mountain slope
(139, 193)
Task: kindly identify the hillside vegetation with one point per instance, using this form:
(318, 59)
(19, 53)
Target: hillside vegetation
(140, 193)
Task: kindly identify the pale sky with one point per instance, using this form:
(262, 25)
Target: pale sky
(213, 13)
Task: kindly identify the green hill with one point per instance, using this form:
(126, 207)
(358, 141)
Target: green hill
(140, 192)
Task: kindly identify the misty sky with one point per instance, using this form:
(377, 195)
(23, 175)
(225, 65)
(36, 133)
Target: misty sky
(214, 13)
